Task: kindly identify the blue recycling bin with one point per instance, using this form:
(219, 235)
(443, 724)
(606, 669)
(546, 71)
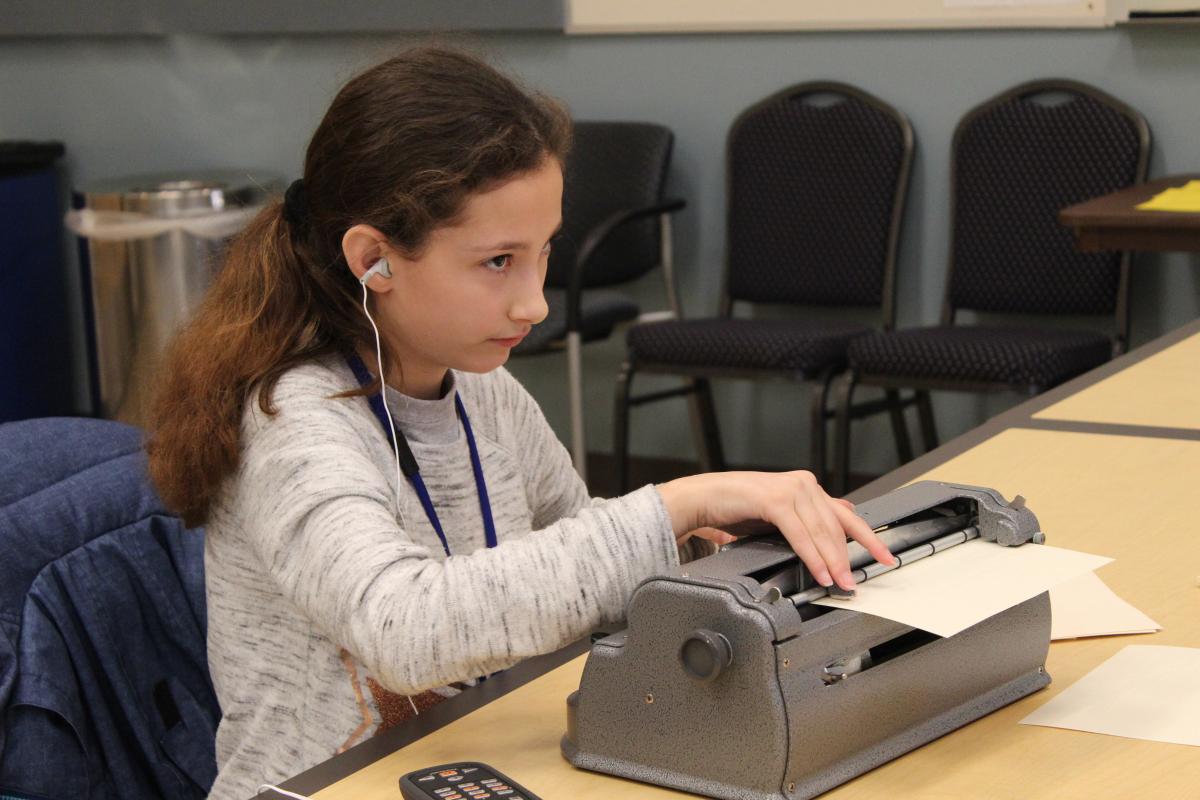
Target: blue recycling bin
(35, 343)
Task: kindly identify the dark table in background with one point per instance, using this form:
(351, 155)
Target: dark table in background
(1113, 222)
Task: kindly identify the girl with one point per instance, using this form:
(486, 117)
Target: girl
(372, 546)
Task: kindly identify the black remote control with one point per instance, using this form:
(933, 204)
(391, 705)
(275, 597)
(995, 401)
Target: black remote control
(462, 780)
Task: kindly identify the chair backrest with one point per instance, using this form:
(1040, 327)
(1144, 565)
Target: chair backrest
(1017, 160)
(104, 684)
(816, 179)
(612, 166)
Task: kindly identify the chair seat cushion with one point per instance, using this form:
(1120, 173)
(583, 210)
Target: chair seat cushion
(601, 310)
(1032, 358)
(804, 346)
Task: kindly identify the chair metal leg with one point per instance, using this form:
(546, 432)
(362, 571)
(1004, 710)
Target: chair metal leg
(621, 410)
(575, 389)
(820, 400)
(699, 430)
(712, 457)
(928, 424)
(899, 427)
(841, 444)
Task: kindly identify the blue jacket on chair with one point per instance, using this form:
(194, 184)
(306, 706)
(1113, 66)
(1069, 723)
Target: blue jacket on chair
(104, 685)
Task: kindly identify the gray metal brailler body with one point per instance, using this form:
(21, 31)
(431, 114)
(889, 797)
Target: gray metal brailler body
(727, 683)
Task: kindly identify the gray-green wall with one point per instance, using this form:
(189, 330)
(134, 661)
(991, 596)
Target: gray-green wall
(123, 105)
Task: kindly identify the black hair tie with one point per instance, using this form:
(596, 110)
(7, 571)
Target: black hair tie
(295, 204)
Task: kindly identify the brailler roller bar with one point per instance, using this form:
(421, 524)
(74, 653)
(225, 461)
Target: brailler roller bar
(874, 569)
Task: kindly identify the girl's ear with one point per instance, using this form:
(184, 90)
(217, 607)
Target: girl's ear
(363, 246)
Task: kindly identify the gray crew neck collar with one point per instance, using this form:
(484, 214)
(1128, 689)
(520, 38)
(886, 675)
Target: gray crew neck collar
(426, 421)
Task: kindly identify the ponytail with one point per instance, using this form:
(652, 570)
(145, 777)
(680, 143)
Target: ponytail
(255, 322)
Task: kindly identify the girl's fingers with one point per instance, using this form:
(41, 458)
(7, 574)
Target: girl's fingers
(827, 538)
(853, 524)
(861, 532)
(836, 534)
(798, 537)
(716, 535)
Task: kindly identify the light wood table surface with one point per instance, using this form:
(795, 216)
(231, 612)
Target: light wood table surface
(1162, 390)
(1121, 496)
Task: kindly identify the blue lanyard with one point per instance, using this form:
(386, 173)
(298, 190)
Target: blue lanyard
(408, 463)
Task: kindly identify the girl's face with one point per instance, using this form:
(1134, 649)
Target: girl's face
(476, 290)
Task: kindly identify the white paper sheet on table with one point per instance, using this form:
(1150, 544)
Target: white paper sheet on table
(955, 589)
(1143, 692)
(1085, 606)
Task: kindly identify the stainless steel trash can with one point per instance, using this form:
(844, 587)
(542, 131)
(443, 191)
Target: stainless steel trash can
(150, 246)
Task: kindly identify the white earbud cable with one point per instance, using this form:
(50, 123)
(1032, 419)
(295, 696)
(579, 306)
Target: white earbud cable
(268, 787)
(383, 395)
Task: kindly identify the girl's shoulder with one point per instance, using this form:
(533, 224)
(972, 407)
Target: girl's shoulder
(308, 392)
(324, 376)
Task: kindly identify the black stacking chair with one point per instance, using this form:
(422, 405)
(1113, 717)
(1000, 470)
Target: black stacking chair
(816, 178)
(1017, 159)
(616, 228)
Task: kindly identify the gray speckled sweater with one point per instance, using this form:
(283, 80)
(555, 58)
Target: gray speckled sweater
(316, 590)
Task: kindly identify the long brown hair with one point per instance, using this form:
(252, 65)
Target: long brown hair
(401, 148)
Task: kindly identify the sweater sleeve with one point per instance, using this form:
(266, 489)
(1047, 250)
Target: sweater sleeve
(320, 513)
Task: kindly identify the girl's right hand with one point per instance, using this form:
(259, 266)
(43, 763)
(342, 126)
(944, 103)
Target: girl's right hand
(815, 524)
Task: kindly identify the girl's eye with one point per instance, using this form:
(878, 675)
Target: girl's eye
(499, 263)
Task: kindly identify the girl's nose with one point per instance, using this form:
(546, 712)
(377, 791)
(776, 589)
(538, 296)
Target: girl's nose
(529, 305)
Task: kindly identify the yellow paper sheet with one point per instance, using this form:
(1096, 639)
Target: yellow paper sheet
(953, 590)
(1184, 198)
(1143, 692)
(1085, 606)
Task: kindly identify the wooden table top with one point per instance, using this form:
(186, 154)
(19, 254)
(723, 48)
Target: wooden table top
(1113, 221)
(1161, 391)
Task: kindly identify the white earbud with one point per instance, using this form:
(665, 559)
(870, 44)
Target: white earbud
(380, 267)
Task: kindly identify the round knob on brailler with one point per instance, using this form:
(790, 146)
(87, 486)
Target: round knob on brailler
(704, 654)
